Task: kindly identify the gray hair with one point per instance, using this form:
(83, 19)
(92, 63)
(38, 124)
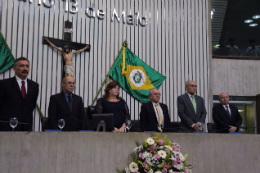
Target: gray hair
(188, 82)
(20, 59)
(65, 78)
(150, 91)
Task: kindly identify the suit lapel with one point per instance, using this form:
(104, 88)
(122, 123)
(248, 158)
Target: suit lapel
(190, 103)
(16, 86)
(62, 96)
(153, 111)
(29, 89)
(224, 111)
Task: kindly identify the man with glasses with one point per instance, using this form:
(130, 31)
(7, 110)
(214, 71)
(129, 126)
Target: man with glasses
(67, 106)
(191, 108)
(225, 116)
(154, 116)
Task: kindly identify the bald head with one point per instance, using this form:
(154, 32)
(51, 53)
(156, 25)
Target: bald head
(68, 84)
(223, 98)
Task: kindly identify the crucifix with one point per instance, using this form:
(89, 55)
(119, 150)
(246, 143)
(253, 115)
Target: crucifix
(67, 45)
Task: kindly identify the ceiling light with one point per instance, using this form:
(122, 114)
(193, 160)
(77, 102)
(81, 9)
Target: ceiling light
(256, 17)
(253, 24)
(248, 21)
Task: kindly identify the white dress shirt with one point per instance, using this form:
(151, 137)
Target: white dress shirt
(228, 108)
(156, 113)
(19, 81)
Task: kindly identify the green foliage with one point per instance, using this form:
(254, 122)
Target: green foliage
(120, 171)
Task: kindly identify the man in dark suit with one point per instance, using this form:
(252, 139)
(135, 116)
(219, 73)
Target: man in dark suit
(191, 108)
(67, 106)
(18, 96)
(225, 116)
(154, 115)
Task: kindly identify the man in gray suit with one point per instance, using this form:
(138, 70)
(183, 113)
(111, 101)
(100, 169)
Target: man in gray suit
(191, 108)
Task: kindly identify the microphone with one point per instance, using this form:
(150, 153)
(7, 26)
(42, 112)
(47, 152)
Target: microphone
(19, 123)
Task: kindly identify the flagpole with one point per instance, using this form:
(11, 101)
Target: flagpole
(106, 78)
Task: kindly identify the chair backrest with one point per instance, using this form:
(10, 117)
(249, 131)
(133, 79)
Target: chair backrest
(45, 125)
(176, 127)
(135, 126)
(211, 127)
(89, 111)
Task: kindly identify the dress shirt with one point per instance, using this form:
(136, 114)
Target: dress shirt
(160, 109)
(228, 108)
(19, 81)
(191, 102)
(66, 96)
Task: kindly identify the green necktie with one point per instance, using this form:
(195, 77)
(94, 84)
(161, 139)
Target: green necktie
(193, 102)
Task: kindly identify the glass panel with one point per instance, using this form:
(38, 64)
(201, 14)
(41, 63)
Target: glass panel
(235, 28)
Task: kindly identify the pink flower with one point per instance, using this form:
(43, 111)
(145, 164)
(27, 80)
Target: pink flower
(175, 148)
(164, 170)
(176, 162)
(152, 148)
(166, 165)
(144, 165)
(160, 142)
(186, 171)
(141, 155)
(157, 156)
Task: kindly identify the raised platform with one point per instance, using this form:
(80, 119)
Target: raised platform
(93, 152)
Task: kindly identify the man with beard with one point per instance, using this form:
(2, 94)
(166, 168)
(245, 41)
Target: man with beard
(69, 67)
(18, 96)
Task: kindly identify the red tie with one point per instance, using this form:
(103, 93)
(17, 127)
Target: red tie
(23, 90)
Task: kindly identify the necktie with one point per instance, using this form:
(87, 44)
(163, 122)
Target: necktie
(228, 112)
(159, 114)
(194, 103)
(70, 102)
(23, 90)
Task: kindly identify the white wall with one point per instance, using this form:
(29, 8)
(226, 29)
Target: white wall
(236, 77)
(175, 43)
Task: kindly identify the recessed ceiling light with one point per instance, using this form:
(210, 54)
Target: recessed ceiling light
(253, 24)
(248, 21)
(256, 17)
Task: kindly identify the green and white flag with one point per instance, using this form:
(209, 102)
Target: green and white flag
(6, 57)
(135, 76)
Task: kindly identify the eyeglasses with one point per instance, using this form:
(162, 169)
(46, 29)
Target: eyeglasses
(70, 83)
(156, 94)
(194, 86)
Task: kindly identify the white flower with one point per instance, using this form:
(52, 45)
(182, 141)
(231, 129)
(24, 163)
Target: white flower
(150, 171)
(170, 171)
(149, 162)
(133, 167)
(150, 141)
(181, 157)
(158, 172)
(127, 170)
(147, 154)
(172, 158)
(138, 148)
(178, 166)
(168, 147)
(162, 154)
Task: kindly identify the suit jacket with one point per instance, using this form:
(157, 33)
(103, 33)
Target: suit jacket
(148, 119)
(222, 119)
(12, 104)
(187, 113)
(59, 109)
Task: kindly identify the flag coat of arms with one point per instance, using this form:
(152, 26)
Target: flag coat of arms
(134, 75)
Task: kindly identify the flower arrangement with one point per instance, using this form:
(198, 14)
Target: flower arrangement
(157, 155)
